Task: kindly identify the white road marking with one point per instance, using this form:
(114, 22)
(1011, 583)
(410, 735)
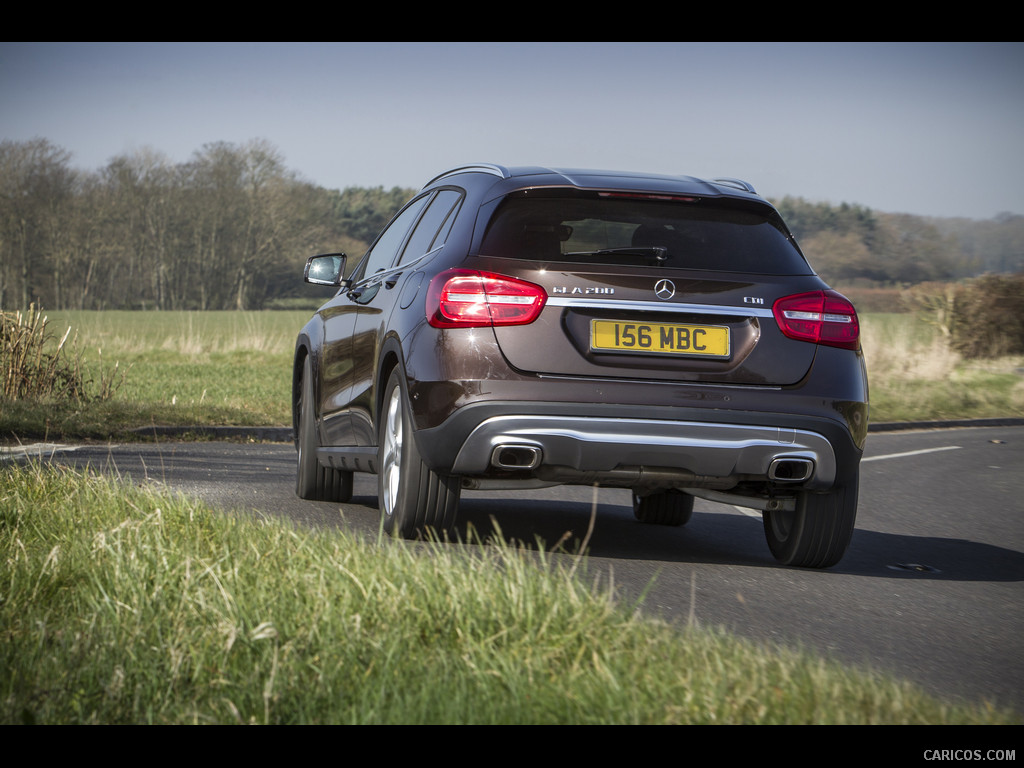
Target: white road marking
(757, 513)
(34, 449)
(911, 453)
(748, 511)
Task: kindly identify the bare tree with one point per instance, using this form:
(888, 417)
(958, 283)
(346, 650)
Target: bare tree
(36, 185)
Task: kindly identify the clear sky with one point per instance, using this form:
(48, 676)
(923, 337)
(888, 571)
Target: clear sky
(926, 128)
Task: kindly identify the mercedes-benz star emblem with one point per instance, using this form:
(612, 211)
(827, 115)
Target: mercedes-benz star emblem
(664, 289)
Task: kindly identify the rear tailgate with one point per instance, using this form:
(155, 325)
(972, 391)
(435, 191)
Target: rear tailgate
(664, 325)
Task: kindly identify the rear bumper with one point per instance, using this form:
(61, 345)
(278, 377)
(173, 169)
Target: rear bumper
(647, 451)
(641, 446)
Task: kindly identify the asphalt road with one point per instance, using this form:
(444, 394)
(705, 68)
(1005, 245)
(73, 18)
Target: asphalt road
(931, 589)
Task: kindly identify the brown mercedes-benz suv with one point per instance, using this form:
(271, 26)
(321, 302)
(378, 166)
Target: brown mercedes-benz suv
(523, 327)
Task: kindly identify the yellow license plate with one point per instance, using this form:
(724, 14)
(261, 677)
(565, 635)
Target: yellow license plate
(660, 338)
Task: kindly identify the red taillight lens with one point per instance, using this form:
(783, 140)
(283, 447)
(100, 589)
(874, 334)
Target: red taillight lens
(821, 317)
(464, 299)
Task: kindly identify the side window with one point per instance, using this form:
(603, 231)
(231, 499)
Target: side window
(446, 227)
(439, 214)
(382, 255)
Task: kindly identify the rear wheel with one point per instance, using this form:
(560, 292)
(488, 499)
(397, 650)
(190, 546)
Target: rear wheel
(313, 481)
(413, 498)
(670, 507)
(817, 533)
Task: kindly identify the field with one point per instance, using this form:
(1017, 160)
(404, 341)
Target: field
(233, 369)
(172, 368)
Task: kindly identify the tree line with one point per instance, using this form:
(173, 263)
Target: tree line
(848, 243)
(230, 228)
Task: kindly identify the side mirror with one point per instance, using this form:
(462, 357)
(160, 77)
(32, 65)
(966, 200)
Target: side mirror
(325, 269)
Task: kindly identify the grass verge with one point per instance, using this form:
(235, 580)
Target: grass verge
(126, 605)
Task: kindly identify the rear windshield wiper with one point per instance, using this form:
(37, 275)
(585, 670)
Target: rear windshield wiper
(659, 253)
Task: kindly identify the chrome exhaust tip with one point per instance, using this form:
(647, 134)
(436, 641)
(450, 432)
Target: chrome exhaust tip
(516, 457)
(790, 470)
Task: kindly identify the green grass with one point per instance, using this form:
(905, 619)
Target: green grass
(234, 369)
(126, 605)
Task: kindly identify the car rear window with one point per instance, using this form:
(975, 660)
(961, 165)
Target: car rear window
(605, 228)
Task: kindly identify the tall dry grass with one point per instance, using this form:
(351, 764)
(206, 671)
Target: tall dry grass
(37, 364)
(916, 376)
(192, 336)
(898, 347)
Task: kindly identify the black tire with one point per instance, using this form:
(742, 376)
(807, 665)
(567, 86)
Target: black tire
(818, 532)
(413, 498)
(312, 480)
(670, 507)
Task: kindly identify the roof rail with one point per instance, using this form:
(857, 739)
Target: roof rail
(497, 170)
(737, 184)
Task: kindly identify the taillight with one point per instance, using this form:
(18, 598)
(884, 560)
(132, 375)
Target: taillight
(464, 299)
(821, 317)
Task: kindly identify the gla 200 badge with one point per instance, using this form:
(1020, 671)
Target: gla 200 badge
(589, 290)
